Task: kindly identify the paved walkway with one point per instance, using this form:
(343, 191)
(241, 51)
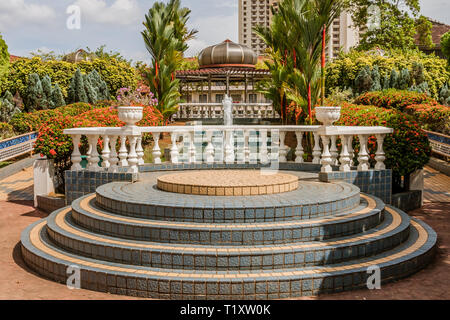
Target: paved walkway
(19, 282)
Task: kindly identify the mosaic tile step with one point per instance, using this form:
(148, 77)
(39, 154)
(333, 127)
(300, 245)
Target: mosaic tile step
(143, 200)
(44, 257)
(368, 215)
(66, 234)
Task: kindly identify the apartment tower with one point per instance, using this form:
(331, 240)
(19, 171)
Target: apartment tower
(258, 12)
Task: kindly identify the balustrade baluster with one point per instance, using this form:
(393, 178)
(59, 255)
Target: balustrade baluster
(363, 155)
(326, 155)
(283, 148)
(113, 158)
(334, 151)
(140, 151)
(299, 150)
(345, 155)
(317, 152)
(174, 148)
(380, 156)
(263, 147)
(106, 152)
(156, 150)
(132, 155)
(76, 155)
(93, 157)
(123, 152)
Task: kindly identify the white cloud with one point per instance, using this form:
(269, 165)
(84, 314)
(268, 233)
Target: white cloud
(121, 12)
(15, 13)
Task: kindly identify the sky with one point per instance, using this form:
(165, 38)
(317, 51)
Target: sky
(29, 25)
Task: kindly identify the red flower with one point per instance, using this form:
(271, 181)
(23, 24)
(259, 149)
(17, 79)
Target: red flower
(52, 152)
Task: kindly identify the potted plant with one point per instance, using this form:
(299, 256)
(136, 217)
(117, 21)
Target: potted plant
(130, 104)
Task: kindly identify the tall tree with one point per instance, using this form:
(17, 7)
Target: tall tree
(424, 28)
(4, 59)
(396, 22)
(35, 93)
(445, 45)
(294, 40)
(165, 36)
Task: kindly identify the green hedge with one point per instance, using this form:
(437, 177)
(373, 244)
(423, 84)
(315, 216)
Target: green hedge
(342, 71)
(115, 73)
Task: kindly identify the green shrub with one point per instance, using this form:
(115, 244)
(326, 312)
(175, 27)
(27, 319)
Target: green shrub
(431, 117)
(116, 74)
(407, 149)
(342, 71)
(6, 131)
(394, 99)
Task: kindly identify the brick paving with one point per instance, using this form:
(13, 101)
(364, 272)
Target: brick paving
(18, 282)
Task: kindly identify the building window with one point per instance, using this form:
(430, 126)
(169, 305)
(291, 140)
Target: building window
(187, 98)
(219, 98)
(203, 98)
(252, 97)
(236, 98)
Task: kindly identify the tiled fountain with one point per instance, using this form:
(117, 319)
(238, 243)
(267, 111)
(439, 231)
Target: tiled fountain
(221, 234)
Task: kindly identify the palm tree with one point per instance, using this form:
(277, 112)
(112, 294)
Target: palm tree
(165, 38)
(294, 40)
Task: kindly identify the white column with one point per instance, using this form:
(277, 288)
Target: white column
(140, 151)
(246, 147)
(93, 158)
(191, 150)
(174, 148)
(106, 152)
(334, 151)
(156, 150)
(380, 156)
(351, 151)
(123, 152)
(76, 155)
(283, 148)
(264, 157)
(132, 156)
(345, 156)
(299, 150)
(229, 147)
(326, 155)
(209, 150)
(317, 152)
(363, 155)
(113, 159)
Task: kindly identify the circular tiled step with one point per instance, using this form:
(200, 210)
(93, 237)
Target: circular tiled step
(228, 182)
(311, 200)
(41, 255)
(86, 214)
(63, 232)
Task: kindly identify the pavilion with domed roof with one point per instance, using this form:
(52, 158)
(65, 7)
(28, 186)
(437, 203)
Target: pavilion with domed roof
(225, 68)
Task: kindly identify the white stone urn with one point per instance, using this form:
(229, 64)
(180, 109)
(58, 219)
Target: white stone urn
(328, 115)
(130, 115)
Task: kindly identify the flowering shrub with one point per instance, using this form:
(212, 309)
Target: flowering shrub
(27, 122)
(431, 117)
(407, 149)
(140, 96)
(394, 99)
(52, 143)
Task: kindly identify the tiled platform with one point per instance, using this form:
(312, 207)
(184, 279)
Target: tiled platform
(133, 239)
(227, 182)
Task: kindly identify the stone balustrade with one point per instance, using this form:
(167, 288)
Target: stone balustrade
(122, 147)
(192, 111)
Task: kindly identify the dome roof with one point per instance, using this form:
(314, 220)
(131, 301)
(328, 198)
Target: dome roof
(227, 54)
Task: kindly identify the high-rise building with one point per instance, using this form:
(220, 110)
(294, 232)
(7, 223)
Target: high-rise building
(252, 13)
(343, 35)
